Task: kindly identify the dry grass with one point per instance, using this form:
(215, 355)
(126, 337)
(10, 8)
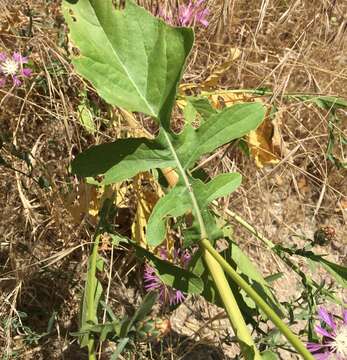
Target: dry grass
(297, 46)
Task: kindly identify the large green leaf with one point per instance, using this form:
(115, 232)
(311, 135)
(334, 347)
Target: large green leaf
(133, 59)
(127, 157)
(230, 124)
(169, 205)
(122, 159)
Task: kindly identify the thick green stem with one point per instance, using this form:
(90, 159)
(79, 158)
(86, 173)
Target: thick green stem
(237, 321)
(217, 273)
(292, 338)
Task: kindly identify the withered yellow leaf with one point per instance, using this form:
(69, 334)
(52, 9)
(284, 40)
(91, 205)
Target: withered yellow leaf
(148, 193)
(265, 142)
(213, 80)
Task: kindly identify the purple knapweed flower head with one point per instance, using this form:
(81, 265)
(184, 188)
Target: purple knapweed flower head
(11, 68)
(153, 282)
(194, 13)
(334, 337)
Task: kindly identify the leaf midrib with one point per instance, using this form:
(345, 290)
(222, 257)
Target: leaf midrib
(152, 112)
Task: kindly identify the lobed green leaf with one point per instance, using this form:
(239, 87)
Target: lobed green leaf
(177, 202)
(133, 59)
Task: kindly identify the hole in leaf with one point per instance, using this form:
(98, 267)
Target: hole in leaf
(71, 13)
(75, 51)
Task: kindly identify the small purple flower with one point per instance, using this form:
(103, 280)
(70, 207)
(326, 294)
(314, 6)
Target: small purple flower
(12, 68)
(193, 13)
(188, 15)
(334, 339)
(153, 282)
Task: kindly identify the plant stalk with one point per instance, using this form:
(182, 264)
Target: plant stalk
(292, 338)
(236, 319)
(230, 305)
(91, 283)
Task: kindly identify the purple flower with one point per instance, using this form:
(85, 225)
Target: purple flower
(193, 13)
(334, 337)
(188, 15)
(12, 68)
(153, 282)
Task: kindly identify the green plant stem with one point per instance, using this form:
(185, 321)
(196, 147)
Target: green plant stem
(237, 321)
(248, 227)
(292, 338)
(92, 283)
(217, 273)
(263, 92)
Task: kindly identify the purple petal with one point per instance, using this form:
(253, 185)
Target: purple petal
(26, 72)
(16, 81)
(150, 287)
(19, 58)
(326, 317)
(186, 259)
(313, 347)
(322, 356)
(162, 295)
(176, 297)
(323, 332)
(201, 17)
(186, 14)
(3, 56)
(203, 22)
(179, 296)
(2, 82)
(345, 316)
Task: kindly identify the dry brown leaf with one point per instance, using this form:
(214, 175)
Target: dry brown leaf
(148, 193)
(303, 185)
(186, 86)
(80, 201)
(213, 80)
(265, 143)
(87, 200)
(221, 99)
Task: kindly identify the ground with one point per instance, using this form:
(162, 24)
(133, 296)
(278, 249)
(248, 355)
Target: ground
(284, 47)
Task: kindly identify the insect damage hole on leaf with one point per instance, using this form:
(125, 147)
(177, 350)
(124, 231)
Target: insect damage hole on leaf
(71, 13)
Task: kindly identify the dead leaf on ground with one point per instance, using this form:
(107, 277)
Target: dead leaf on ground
(217, 74)
(222, 99)
(148, 192)
(265, 143)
